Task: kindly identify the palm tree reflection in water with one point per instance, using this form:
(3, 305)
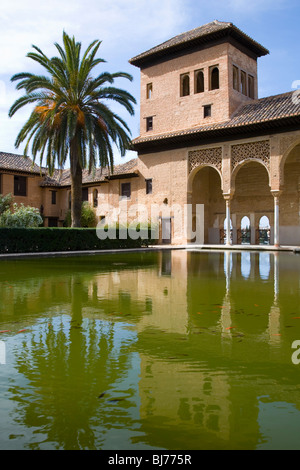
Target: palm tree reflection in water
(74, 370)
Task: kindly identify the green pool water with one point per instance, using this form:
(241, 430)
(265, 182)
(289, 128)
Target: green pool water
(158, 350)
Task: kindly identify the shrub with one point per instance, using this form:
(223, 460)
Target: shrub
(5, 202)
(30, 240)
(88, 216)
(21, 217)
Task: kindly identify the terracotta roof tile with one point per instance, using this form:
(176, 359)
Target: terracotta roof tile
(10, 161)
(201, 34)
(270, 109)
(62, 177)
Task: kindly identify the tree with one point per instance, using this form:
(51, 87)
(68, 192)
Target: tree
(71, 117)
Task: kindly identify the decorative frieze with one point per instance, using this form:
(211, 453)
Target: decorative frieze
(251, 151)
(210, 156)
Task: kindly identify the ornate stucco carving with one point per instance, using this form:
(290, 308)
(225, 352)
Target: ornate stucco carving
(251, 151)
(210, 156)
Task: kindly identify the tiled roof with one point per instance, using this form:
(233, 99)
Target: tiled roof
(62, 177)
(265, 110)
(10, 161)
(200, 35)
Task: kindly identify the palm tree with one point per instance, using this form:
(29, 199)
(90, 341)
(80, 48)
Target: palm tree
(71, 117)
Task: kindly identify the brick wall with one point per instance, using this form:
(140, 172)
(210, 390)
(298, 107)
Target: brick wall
(173, 112)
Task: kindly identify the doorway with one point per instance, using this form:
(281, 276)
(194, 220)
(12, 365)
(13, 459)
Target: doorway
(166, 230)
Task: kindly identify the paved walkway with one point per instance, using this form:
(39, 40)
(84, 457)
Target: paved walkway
(189, 247)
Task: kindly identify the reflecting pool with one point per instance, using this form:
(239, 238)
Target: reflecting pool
(152, 350)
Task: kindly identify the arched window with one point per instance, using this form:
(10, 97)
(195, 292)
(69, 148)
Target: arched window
(245, 231)
(185, 85)
(264, 231)
(199, 81)
(95, 197)
(214, 78)
(149, 91)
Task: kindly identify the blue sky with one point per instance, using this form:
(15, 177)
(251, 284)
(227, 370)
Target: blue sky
(128, 27)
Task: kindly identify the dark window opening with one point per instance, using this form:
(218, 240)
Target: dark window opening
(184, 85)
(235, 78)
(53, 197)
(251, 86)
(214, 78)
(149, 186)
(52, 222)
(243, 83)
(95, 197)
(85, 194)
(20, 186)
(199, 81)
(126, 190)
(207, 111)
(149, 123)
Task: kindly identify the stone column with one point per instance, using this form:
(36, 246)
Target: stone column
(276, 195)
(227, 200)
(252, 229)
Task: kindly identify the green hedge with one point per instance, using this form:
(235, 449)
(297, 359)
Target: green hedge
(34, 240)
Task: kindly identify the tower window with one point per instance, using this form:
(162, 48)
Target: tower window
(243, 83)
(125, 190)
(149, 91)
(149, 186)
(207, 110)
(53, 197)
(184, 85)
(149, 123)
(85, 194)
(235, 78)
(214, 78)
(199, 81)
(95, 198)
(251, 86)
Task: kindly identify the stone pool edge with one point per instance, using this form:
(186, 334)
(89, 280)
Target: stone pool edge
(53, 254)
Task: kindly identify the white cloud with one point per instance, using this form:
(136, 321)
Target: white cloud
(118, 23)
(126, 28)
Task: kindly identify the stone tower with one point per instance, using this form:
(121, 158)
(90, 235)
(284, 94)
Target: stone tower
(197, 78)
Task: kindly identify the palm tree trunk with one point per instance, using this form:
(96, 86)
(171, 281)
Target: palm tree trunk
(76, 185)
